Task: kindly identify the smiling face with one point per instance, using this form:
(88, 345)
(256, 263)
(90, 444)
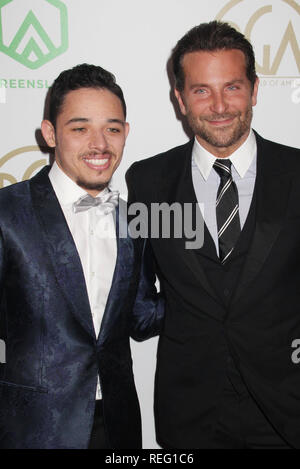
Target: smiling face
(89, 137)
(217, 99)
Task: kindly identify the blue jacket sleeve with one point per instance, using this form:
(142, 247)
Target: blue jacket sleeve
(148, 311)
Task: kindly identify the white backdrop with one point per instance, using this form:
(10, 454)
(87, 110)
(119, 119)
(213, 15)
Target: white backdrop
(133, 39)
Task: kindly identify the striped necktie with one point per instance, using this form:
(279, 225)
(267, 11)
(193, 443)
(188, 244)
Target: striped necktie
(227, 210)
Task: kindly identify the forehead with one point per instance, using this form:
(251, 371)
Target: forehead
(214, 64)
(91, 103)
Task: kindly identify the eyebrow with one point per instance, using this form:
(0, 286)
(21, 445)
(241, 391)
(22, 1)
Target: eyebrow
(116, 121)
(238, 80)
(85, 119)
(206, 85)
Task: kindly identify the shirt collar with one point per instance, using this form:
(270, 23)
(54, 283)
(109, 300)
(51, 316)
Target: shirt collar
(241, 158)
(66, 190)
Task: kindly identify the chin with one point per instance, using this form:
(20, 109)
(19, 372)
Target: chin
(94, 186)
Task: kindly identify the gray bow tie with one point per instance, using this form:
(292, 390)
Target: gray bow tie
(105, 203)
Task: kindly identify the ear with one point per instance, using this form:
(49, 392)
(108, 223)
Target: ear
(127, 127)
(48, 133)
(180, 101)
(254, 92)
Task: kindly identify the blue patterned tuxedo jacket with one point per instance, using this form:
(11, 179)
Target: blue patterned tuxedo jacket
(48, 383)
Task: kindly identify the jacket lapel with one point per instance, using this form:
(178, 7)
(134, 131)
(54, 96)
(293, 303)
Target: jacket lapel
(273, 184)
(177, 186)
(123, 273)
(61, 249)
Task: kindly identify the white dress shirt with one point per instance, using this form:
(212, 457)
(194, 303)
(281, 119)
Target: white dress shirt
(206, 181)
(94, 235)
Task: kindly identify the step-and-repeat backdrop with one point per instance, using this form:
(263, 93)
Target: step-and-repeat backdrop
(133, 39)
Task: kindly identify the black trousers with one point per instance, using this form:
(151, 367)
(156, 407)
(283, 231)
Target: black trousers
(98, 438)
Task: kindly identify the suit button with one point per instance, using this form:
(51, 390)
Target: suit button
(226, 292)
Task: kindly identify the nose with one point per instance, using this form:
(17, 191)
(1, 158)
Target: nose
(98, 141)
(218, 103)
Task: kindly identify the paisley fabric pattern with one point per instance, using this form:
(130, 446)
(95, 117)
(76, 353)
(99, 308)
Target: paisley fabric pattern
(48, 383)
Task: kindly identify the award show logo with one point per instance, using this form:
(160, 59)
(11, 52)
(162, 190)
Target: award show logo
(20, 164)
(273, 27)
(28, 41)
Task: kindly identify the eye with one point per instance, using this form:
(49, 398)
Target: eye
(78, 129)
(200, 91)
(233, 87)
(114, 130)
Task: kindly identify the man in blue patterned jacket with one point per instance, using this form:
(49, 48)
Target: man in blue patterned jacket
(73, 289)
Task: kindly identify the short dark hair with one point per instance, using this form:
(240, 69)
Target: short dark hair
(212, 36)
(81, 76)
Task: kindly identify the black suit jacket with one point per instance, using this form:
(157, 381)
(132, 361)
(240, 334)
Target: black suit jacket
(259, 324)
(48, 383)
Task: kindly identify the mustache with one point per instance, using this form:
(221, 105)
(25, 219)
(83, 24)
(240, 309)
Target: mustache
(96, 152)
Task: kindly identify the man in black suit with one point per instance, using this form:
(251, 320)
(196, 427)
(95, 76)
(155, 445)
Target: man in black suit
(225, 376)
(73, 288)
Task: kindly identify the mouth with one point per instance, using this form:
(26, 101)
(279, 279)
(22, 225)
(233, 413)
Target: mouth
(94, 162)
(221, 122)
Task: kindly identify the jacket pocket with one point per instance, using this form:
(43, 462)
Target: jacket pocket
(24, 387)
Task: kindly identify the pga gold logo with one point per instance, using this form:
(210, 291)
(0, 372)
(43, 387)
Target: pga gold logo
(273, 27)
(20, 164)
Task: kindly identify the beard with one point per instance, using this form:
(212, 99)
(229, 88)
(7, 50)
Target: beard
(221, 137)
(92, 186)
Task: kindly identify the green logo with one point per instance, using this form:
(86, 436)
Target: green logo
(32, 44)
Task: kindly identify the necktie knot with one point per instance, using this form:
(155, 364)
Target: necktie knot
(223, 168)
(105, 203)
